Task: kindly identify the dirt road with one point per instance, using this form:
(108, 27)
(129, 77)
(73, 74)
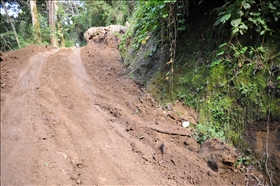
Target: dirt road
(71, 117)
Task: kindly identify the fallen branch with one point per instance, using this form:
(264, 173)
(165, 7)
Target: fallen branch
(6, 43)
(169, 133)
(145, 91)
(277, 128)
(148, 95)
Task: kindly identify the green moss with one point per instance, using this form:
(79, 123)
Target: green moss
(230, 94)
(275, 108)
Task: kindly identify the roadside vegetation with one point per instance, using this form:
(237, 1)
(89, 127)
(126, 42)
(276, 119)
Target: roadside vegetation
(223, 59)
(57, 23)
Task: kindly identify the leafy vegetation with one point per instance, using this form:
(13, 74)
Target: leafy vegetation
(249, 14)
(230, 78)
(73, 19)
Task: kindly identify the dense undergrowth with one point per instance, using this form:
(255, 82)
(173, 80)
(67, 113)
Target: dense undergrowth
(73, 18)
(228, 72)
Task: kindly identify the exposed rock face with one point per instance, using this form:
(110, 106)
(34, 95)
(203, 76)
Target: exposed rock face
(218, 155)
(109, 35)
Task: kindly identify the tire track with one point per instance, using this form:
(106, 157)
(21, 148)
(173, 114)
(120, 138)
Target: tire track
(19, 117)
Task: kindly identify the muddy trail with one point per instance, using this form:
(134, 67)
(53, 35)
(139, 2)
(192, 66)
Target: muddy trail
(72, 117)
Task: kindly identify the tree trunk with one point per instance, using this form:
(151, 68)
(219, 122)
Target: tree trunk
(9, 19)
(60, 31)
(51, 19)
(35, 21)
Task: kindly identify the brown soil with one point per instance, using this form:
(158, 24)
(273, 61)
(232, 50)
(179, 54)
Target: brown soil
(72, 117)
(265, 146)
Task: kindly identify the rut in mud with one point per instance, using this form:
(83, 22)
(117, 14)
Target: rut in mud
(72, 117)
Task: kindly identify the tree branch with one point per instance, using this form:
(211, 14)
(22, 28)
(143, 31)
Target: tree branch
(9, 19)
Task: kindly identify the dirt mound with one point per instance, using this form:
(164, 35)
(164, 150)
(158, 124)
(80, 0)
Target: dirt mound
(72, 117)
(109, 35)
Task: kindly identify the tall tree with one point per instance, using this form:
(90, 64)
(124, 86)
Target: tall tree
(35, 21)
(9, 19)
(60, 13)
(51, 19)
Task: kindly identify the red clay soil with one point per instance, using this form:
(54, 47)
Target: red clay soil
(72, 117)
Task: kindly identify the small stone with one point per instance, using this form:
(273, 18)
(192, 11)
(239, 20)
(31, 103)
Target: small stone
(186, 124)
(162, 148)
(212, 174)
(169, 108)
(78, 181)
(73, 177)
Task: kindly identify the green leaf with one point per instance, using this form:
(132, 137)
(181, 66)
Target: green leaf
(161, 6)
(235, 22)
(181, 21)
(240, 13)
(216, 62)
(235, 30)
(222, 45)
(244, 49)
(225, 18)
(271, 6)
(164, 15)
(220, 53)
(261, 49)
(183, 27)
(278, 78)
(243, 26)
(247, 6)
(236, 54)
(218, 21)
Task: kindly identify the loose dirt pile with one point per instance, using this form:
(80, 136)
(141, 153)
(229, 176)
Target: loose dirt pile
(72, 117)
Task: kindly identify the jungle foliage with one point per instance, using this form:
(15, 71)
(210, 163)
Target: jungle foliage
(223, 61)
(73, 18)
